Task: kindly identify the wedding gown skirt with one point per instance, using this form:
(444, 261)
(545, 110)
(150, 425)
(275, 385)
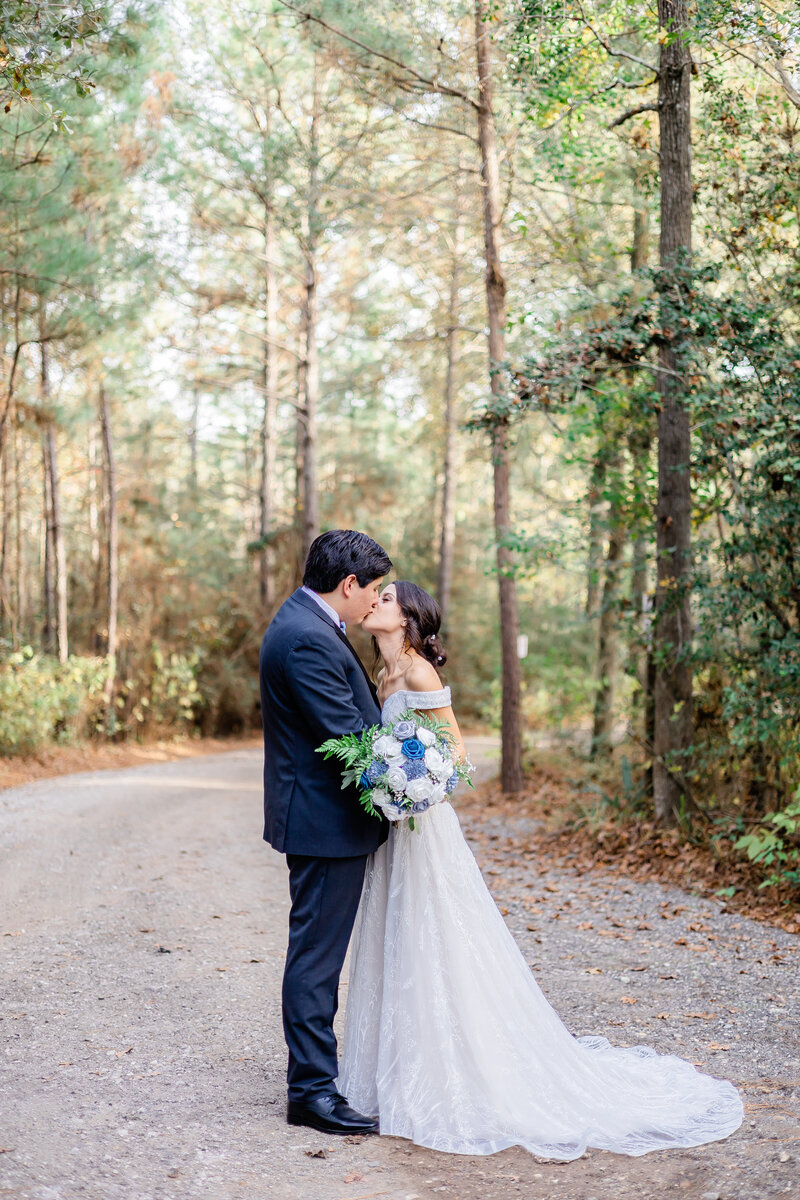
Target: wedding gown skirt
(450, 1040)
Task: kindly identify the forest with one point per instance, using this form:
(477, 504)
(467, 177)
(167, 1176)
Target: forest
(511, 285)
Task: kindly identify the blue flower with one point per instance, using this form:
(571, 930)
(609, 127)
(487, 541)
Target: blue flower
(375, 770)
(413, 748)
(420, 806)
(451, 783)
(365, 783)
(415, 768)
(403, 730)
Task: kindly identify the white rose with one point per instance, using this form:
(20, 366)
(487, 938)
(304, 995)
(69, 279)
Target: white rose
(396, 760)
(419, 789)
(390, 810)
(380, 797)
(426, 736)
(396, 779)
(386, 746)
(438, 793)
(437, 764)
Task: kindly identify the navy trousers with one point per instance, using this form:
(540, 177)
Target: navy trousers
(325, 894)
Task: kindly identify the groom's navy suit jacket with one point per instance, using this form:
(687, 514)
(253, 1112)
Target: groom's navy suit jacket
(313, 687)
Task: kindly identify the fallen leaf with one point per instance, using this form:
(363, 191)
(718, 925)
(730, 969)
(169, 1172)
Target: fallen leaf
(353, 1177)
(716, 1046)
(629, 1000)
(316, 1153)
(701, 1016)
(593, 971)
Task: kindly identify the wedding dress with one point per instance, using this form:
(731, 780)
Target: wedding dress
(449, 1039)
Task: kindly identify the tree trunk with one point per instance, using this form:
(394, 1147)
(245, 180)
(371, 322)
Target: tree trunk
(55, 553)
(596, 527)
(266, 558)
(48, 556)
(57, 548)
(112, 553)
(94, 543)
(21, 607)
(641, 649)
(607, 638)
(511, 763)
(448, 534)
(6, 622)
(311, 368)
(673, 634)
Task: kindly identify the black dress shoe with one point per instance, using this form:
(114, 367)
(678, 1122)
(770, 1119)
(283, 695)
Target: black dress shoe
(331, 1114)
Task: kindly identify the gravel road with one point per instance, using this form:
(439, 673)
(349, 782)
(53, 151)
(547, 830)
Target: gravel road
(143, 928)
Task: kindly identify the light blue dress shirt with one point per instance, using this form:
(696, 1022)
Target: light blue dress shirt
(326, 608)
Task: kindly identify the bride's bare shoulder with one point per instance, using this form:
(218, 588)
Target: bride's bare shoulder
(422, 676)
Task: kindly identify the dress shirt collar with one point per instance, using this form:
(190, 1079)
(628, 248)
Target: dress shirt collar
(326, 608)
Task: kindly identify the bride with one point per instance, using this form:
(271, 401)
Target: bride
(448, 1037)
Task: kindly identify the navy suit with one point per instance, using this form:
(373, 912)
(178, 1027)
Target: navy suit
(314, 686)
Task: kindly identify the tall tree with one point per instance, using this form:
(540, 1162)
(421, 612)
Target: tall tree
(673, 731)
(511, 763)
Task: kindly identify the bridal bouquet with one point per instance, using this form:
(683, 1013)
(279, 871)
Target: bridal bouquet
(402, 767)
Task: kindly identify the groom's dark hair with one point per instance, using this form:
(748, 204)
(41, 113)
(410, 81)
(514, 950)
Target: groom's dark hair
(342, 552)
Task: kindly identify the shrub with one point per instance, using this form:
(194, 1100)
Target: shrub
(43, 700)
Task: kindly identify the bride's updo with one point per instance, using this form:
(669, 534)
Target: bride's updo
(423, 621)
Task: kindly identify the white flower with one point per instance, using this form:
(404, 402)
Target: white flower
(419, 789)
(438, 793)
(396, 779)
(426, 736)
(396, 760)
(437, 764)
(388, 807)
(386, 746)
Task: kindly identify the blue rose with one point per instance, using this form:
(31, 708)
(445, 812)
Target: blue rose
(420, 806)
(451, 783)
(415, 768)
(365, 783)
(404, 729)
(375, 770)
(413, 748)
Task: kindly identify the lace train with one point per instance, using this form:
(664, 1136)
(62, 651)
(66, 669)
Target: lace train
(449, 1038)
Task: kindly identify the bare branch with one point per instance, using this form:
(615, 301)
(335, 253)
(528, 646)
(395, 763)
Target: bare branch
(431, 85)
(653, 106)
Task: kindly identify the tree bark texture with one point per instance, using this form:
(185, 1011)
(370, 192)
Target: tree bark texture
(311, 371)
(511, 762)
(55, 573)
(596, 535)
(450, 473)
(48, 557)
(673, 633)
(6, 619)
(608, 631)
(266, 558)
(112, 549)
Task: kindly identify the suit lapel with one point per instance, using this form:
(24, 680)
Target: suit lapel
(312, 606)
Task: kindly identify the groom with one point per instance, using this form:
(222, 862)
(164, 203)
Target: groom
(313, 687)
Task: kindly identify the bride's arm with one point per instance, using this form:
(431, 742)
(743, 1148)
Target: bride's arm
(423, 677)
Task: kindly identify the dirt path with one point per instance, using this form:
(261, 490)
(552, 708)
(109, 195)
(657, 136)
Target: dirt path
(143, 926)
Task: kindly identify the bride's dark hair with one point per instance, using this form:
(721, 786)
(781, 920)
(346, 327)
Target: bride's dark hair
(423, 621)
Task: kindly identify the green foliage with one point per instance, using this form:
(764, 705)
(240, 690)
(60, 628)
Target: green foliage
(44, 701)
(41, 44)
(164, 696)
(775, 845)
